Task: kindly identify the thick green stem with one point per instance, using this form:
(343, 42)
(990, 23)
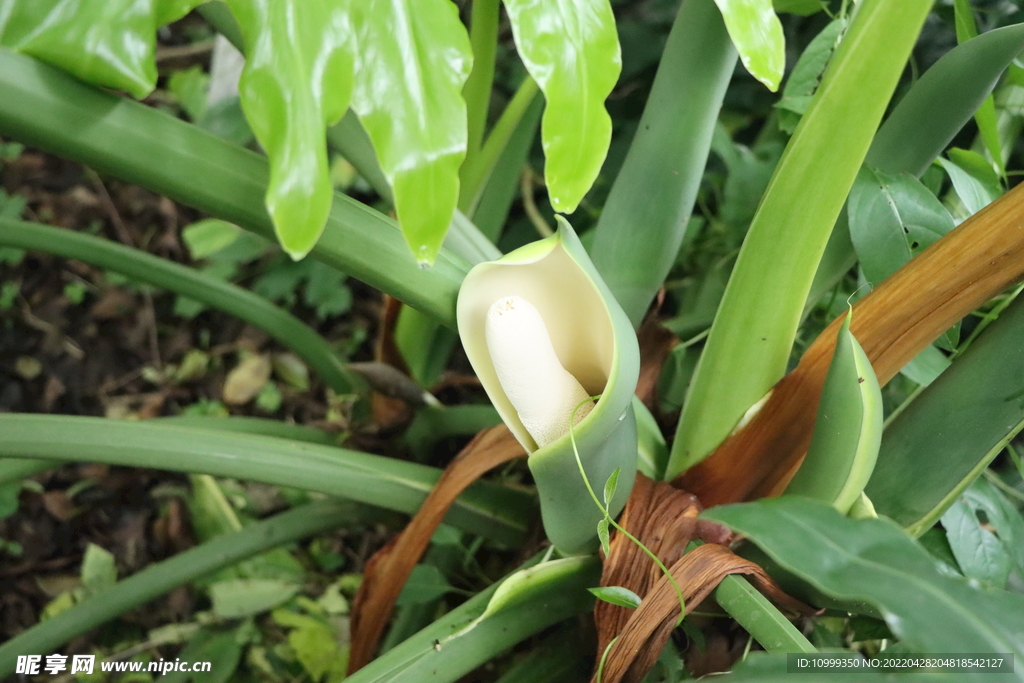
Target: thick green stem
(752, 337)
(497, 512)
(153, 581)
(254, 309)
(760, 617)
(44, 107)
(648, 209)
(483, 34)
(475, 172)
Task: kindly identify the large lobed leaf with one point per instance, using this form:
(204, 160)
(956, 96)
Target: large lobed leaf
(301, 73)
(111, 43)
(413, 59)
(571, 49)
(876, 562)
(757, 34)
(297, 80)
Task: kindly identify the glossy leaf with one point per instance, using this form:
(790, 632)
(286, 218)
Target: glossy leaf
(757, 34)
(571, 49)
(848, 430)
(107, 43)
(413, 59)
(297, 80)
(874, 561)
(617, 595)
(46, 108)
(943, 440)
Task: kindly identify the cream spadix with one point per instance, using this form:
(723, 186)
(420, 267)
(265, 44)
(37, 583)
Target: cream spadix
(568, 327)
(543, 392)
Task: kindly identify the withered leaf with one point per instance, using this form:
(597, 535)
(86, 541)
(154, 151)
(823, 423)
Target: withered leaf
(389, 568)
(976, 261)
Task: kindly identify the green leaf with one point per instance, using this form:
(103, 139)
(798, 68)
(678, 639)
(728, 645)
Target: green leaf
(806, 74)
(107, 43)
(326, 291)
(617, 595)
(99, 571)
(874, 561)
(935, 542)
(978, 551)
(973, 179)
(122, 138)
(221, 648)
(571, 49)
(297, 80)
(315, 644)
(189, 87)
(208, 236)
(426, 583)
(489, 623)
(751, 340)
(237, 598)
(985, 533)
(757, 34)
(892, 219)
(942, 101)
(801, 8)
(648, 212)
(602, 536)
(988, 127)
(414, 58)
(9, 494)
(943, 440)
(609, 486)
(848, 429)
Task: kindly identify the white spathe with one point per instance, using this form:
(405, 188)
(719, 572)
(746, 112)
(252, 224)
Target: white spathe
(543, 392)
(568, 302)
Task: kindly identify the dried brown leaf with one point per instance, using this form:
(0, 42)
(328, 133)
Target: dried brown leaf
(896, 321)
(649, 627)
(388, 570)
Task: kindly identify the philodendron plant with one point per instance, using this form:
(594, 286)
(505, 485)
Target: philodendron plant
(703, 327)
(545, 336)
